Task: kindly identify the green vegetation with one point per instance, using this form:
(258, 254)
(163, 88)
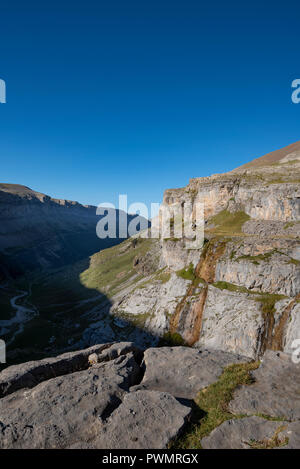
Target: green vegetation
(231, 287)
(160, 276)
(271, 419)
(294, 261)
(172, 339)
(211, 404)
(135, 320)
(228, 223)
(112, 267)
(259, 257)
(268, 301)
(289, 225)
(279, 163)
(188, 273)
(265, 257)
(232, 254)
(62, 297)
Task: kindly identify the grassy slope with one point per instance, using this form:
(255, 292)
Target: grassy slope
(114, 266)
(64, 296)
(228, 223)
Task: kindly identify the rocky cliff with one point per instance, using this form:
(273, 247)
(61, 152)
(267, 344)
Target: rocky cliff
(240, 291)
(231, 307)
(39, 232)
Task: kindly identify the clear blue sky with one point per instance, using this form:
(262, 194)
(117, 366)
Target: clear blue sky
(109, 97)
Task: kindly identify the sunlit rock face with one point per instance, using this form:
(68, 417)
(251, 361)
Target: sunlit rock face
(240, 290)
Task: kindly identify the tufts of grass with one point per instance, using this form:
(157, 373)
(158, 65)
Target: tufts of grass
(211, 404)
(112, 267)
(294, 261)
(268, 301)
(172, 339)
(289, 225)
(231, 287)
(260, 257)
(283, 181)
(187, 274)
(270, 418)
(136, 320)
(229, 223)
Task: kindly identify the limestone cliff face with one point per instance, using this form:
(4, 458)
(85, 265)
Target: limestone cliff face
(263, 194)
(240, 292)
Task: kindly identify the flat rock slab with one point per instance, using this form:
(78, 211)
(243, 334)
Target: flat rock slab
(275, 392)
(29, 374)
(67, 410)
(183, 371)
(251, 432)
(145, 419)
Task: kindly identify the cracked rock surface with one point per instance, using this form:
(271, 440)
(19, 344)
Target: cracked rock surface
(145, 419)
(184, 371)
(62, 411)
(83, 400)
(251, 432)
(115, 396)
(275, 392)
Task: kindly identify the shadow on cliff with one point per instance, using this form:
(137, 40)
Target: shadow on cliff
(59, 314)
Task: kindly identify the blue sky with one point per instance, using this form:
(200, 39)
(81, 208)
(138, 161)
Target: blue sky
(109, 97)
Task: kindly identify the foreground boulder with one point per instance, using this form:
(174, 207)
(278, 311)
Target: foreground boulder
(145, 420)
(63, 411)
(29, 374)
(117, 396)
(183, 371)
(274, 396)
(86, 404)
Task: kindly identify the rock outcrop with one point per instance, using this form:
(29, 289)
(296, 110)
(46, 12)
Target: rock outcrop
(274, 395)
(115, 396)
(275, 391)
(232, 300)
(254, 432)
(240, 291)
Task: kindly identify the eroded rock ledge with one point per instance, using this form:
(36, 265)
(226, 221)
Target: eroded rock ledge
(117, 396)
